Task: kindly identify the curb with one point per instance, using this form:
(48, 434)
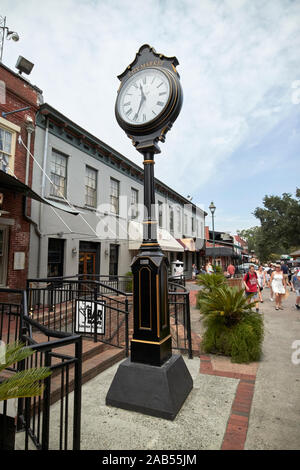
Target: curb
(237, 425)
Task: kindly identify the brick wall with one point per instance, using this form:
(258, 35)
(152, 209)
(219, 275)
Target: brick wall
(19, 94)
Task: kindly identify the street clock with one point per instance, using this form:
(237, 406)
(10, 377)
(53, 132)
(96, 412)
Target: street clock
(149, 98)
(153, 380)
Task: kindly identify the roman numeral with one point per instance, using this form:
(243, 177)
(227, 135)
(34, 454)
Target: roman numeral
(127, 104)
(160, 84)
(135, 117)
(144, 80)
(128, 112)
(144, 117)
(163, 93)
(153, 80)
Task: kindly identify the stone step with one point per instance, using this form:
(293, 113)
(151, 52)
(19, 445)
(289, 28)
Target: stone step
(96, 357)
(90, 368)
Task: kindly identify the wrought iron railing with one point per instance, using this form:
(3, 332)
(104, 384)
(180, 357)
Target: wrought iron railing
(180, 321)
(47, 430)
(33, 414)
(88, 307)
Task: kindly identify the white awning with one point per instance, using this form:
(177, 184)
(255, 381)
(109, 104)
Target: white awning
(164, 238)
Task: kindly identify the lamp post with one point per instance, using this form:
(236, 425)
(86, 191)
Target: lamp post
(9, 35)
(212, 209)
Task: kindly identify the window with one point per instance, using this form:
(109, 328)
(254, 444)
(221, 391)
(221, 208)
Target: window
(114, 195)
(90, 187)
(55, 257)
(178, 220)
(185, 224)
(58, 174)
(5, 149)
(3, 255)
(171, 215)
(160, 214)
(193, 225)
(134, 203)
(113, 260)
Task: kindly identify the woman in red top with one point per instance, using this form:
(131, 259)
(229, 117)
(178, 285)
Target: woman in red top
(251, 285)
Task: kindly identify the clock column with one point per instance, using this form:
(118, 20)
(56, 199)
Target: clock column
(152, 381)
(152, 342)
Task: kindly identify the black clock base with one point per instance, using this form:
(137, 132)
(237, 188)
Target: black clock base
(151, 353)
(155, 391)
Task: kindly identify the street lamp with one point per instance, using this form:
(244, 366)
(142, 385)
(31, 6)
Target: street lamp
(9, 35)
(212, 209)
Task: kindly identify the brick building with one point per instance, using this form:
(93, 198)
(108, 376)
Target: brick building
(225, 250)
(16, 93)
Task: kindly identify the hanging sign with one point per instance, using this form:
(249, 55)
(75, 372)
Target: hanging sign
(86, 312)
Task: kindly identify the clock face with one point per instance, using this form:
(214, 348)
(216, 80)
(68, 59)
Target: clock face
(144, 96)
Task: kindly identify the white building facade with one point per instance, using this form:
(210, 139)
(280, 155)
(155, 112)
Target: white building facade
(79, 174)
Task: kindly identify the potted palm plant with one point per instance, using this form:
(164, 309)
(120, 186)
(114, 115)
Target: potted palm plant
(21, 384)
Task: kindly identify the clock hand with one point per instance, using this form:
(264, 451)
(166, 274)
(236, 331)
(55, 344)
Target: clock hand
(143, 98)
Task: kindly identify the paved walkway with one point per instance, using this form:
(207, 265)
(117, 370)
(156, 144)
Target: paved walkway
(265, 413)
(232, 406)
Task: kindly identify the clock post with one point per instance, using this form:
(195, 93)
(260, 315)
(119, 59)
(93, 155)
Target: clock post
(153, 380)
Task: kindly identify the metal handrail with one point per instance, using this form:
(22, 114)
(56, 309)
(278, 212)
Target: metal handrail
(81, 281)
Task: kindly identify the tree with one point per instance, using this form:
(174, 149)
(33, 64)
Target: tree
(280, 222)
(256, 242)
(279, 232)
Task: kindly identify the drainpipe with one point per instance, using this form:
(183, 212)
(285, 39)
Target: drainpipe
(30, 130)
(43, 194)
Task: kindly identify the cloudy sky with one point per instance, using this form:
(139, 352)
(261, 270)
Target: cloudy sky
(238, 135)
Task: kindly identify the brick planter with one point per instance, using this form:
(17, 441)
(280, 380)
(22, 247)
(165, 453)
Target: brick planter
(235, 282)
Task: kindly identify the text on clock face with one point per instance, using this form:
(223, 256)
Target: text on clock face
(144, 96)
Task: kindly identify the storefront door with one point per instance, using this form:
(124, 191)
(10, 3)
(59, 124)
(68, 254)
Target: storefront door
(87, 265)
(89, 259)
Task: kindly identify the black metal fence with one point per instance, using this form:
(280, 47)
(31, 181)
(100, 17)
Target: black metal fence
(63, 355)
(97, 309)
(87, 307)
(180, 321)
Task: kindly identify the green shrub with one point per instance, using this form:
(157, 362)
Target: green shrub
(232, 328)
(218, 269)
(242, 341)
(210, 281)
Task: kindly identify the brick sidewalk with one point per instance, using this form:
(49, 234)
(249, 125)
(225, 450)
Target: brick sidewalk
(237, 425)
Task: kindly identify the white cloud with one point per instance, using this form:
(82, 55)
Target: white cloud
(237, 58)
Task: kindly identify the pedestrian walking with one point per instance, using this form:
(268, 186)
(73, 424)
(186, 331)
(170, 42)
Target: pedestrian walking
(231, 270)
(251, 285)
(208, 268)
(271, 270)
(261, 278)
(285, 270)
(278, 284)
(296, 287)
(194, 271)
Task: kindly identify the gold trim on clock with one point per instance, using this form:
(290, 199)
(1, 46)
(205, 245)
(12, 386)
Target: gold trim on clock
(151, 342)
(149, 328)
